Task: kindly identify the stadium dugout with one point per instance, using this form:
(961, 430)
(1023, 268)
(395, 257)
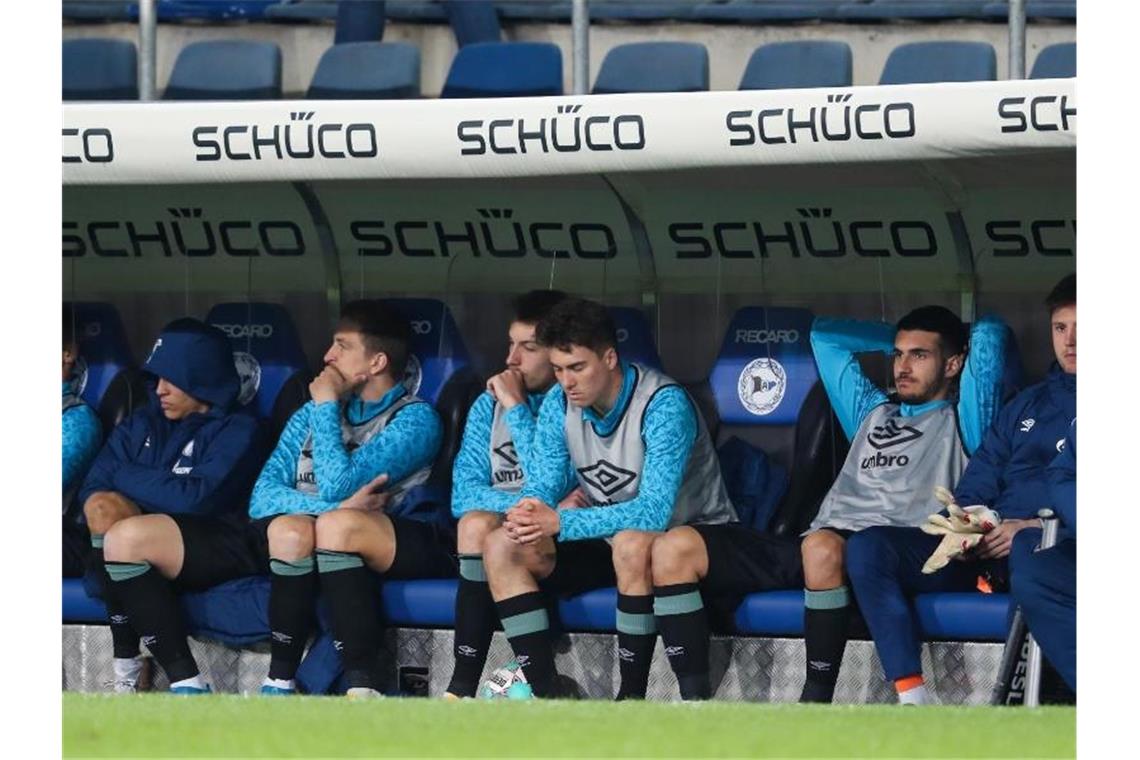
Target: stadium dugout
(714, 223)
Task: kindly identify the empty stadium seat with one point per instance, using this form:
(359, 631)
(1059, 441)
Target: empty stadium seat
(802, 63)
(270, 362)
(1056, 62)
(766, 390)
(635, 339)
(359, 21)
(921, 62)
(366, 71)
(883, 10)
(1062, 10)
(505, 69)
(473, 21)
(207, 10)
(107, 378)
(302, 10)
(86, 10)
(100, 69)
(654, 67)
(759, 11)
(226, 70)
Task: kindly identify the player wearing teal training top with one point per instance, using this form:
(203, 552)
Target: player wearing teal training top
(489, 471)
(82, 434)
(631, 439)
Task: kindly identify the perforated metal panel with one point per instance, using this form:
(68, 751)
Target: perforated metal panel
(751, 669)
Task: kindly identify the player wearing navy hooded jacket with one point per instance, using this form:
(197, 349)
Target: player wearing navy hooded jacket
(1007, 473)
(186, 455)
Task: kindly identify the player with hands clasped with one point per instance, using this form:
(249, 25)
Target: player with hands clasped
(634, 444)
(493, 462)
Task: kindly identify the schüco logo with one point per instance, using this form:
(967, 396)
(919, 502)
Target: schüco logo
(814, 234)
(88, 146)
(1045, 237)
(246, 331)
(189, 232)
(1044, 113)
(748, 335)
(838, 121)
(567, 132)
(299, 139)
(495, 233)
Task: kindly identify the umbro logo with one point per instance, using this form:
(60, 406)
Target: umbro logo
(338, 645)
(674, 651)
(149, 641)
(892, 434)
(606, 477)
(625, 654)
(820, 666)
(283, 638)
(508, 453)
(523, 660)
(1027, 425)
(466, 651)
(146, 443)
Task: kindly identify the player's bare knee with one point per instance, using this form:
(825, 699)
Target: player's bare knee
(129, 540)
(338, 530)
(499, 550)
(474, 527)
(101, 512)
(292, 538)
(632, 551)
(822, 554)
(674, 557)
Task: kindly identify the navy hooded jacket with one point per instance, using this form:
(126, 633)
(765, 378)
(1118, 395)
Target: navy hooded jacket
(1007, 472)
(202, 464)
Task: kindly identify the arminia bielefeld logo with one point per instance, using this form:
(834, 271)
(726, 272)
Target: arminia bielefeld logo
(762, 385)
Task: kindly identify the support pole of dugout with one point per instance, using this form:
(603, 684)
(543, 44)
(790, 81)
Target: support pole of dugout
(580, 23)
(1016, 39)
(148, 35)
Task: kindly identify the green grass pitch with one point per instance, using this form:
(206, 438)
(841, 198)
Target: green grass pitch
(161, 725)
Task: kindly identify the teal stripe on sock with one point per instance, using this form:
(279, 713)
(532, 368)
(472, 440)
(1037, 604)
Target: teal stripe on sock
(680, 604)
(831, 599)
(471, 568)
(124, 571)
(637, 623)
(97, 540)
(302, 566)
(527, 622)
(331, 562)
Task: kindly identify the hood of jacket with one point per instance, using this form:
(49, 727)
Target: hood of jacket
(197, 358)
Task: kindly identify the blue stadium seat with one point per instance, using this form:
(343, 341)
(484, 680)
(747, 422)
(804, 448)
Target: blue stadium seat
(359, 21)
(438, 351)
(760, 11)
(428, 602)
(302, 10)
(505, 69)
(801, 63)
(1056, 62)
(74, 10)
(367, 71)
(207, 10)
(473, 21)
(654, 67)
(921, 62)
(226, 70)
(270, 362)
(635, 339)
(108, 379)
(883, 10)
(100, 69)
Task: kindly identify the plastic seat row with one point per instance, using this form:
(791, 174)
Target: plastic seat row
(745, 11)
(103, 69)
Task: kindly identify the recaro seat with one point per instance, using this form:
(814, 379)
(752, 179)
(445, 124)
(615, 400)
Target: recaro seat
(268, 356)
(108, 379)
(635, 340)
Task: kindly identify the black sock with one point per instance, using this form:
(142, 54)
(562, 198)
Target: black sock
(684, 630)
(155, 613)
(124, 639)
(475, 619)
(637, 636)
(350, 588)
(826, 615)
(528, 629)
(292, 616)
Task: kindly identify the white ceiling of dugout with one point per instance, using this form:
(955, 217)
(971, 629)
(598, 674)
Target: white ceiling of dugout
(813, 191)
